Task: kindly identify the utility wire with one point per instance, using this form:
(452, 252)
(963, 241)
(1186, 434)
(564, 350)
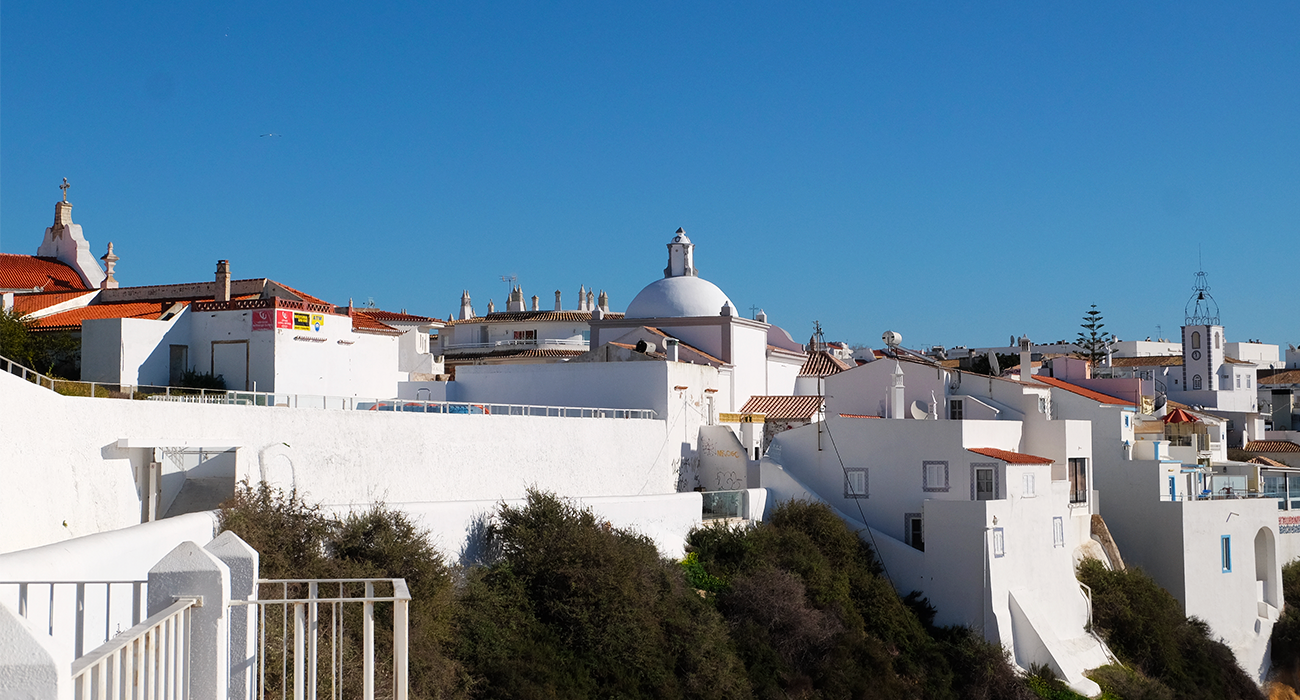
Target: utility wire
(856, 502)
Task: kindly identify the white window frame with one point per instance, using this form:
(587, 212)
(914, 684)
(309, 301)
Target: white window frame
(999, 542)
(1029, 478)
(850, 475)
(935, 476)
(1058, 531)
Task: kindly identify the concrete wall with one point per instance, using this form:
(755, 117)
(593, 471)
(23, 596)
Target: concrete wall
(63, 482)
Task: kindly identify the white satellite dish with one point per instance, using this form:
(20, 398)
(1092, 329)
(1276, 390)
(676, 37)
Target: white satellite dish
(892, 339)
(920, 410)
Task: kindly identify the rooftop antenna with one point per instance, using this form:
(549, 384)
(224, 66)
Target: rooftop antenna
(820, 338)
(511, 280)
(818, 343)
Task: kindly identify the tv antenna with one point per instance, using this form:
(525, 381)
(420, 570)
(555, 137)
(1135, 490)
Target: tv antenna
(511, 280)
(820, 338)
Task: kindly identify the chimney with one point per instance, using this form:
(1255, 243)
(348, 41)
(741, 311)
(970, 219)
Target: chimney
(896, 394)
(515, 302)
(466, 310)
(6, 301)
(110, 261)
(223, 281)
(603, 301)
(672, 349)
(1026, 358)
(536, 303)
(582, 298)
(591, 300)
(492, 308)
(557, 301)
(761, 317)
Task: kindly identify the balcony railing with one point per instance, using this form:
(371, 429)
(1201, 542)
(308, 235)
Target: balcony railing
(291, 614)
(82, 605)
(147, 662)
(541, 343)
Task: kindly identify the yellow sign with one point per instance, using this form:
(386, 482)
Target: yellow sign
(741, 417)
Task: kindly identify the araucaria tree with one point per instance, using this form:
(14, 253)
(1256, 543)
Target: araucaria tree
(1092, 341)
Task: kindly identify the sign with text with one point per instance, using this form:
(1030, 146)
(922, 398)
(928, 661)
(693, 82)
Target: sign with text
(268, 319)
(741, 418)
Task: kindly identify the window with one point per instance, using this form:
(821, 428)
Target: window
(1238, 381)
(1058, 531)
(1126, 420)
(1196, 382)
(934, 476)
(855, 483)
(586, 336)
(983, 482)
(1225, 553)
(955, 409)
(1216, 340)
(1196, 339)
(914, 530)
(999, 543)
(526, 335)
(1029, 485)
(1078, 468)
(1247, 381)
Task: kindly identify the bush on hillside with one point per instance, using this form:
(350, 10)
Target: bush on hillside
(1144, 626)
(1286, 631)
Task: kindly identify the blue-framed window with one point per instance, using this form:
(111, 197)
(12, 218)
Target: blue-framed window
(1225, 552)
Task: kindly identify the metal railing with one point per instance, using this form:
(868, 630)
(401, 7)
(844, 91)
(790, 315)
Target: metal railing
(294, 640)
(84, 604)
(150, 660)
(539, 342)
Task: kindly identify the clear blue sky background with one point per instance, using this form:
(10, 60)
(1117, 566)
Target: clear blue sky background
(955, 172)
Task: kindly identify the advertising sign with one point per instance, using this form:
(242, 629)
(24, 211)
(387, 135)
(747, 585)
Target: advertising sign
(283, 318)
(317, 322)
(301, 322)
(263, 319)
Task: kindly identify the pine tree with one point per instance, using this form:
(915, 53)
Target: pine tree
(1091, 340)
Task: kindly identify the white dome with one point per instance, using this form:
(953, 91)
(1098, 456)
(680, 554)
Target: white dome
(676, 297)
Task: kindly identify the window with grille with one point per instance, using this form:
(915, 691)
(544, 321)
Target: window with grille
(955, 409)
(1078, 468)
(855, 483)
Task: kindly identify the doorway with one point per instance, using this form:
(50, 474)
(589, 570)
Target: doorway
(230, 360)
(985, 486)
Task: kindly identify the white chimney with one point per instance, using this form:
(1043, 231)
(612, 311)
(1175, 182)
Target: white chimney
(896, 397)
(582, 298)
(672, 349)
(591, 300)
(466, 310)
(223, 281)
(536, 303)
(557, 301)
(1026, 358)
(6, 301)
(603, 301)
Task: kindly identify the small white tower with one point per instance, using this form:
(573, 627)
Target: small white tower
(65, 242)
(466, 310)
(681, 257)
(557, 301)
(110, 261)
(1202, 338)
(896, 397)
(515, 302)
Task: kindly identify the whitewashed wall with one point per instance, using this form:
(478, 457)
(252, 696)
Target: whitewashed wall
(65, 476)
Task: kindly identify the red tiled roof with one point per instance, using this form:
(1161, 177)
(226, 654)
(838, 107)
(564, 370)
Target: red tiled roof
(1266, 462)
(1086, 393)
(1272, 446)
(399, 316)
(784, 407)
(31, 303)
(1279, 376)
(517, 316)
(71, 319)
(1152, 361)
(856, 415)
(29, 271)
(692, 348)
(302, 295)
(1008, 457)
(822, 364)
(364, 322)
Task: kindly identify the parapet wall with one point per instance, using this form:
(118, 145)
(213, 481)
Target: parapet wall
(65, 475)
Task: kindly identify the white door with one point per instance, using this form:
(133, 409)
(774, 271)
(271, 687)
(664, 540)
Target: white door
(230, 360)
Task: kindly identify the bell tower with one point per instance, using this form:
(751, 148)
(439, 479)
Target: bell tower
(1202, 339)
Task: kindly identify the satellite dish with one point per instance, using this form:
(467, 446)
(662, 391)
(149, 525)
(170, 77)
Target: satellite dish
(892, 339)
(920, 410)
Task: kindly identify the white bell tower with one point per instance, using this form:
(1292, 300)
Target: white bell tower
(1202, 339)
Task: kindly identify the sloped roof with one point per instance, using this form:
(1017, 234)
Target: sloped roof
(856, 415)
(516, 316)
(822, 364)
(301, 294)
(29, 271)
(365, 322)
(71, 319)
(1266, 462)
(1008, 457)
(1086, 393)
(400, 317)
(784, 407)
(1272, 446)
(31, 303)
(1235, 361)
(692, 348)
(1151, 361)
(1279, 376)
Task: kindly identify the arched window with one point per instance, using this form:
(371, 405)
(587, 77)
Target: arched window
(1216, 340)
(1196, 339)
(1196, 382)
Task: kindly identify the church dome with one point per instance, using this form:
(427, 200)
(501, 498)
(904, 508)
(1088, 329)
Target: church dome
(676, 297)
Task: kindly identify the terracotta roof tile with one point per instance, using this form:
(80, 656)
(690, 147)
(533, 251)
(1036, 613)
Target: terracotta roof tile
(784, 407)
(366, 323)
(1151, 361)
(1265, 461)
(822, 364)
(1272, 446)
(1086, 393)
(302, 295)
(399, 316)
(856, 415)
(31, 303)
(1277, 377)
(29, 271)
(1008, 457)
(72, 319)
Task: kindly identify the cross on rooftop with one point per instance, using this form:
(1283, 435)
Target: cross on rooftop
(65, 187)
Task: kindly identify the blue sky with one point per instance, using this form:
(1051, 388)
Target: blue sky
(955, 172)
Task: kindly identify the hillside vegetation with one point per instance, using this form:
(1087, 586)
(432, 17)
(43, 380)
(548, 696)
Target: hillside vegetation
(563, 605)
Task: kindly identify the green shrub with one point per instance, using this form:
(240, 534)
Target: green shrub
(1120, 683)
(1144, 626)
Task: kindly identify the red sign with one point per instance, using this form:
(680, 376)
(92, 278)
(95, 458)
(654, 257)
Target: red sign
(283, 318)
(263, 319)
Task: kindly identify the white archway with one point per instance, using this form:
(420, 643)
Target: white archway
(1266, 578)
